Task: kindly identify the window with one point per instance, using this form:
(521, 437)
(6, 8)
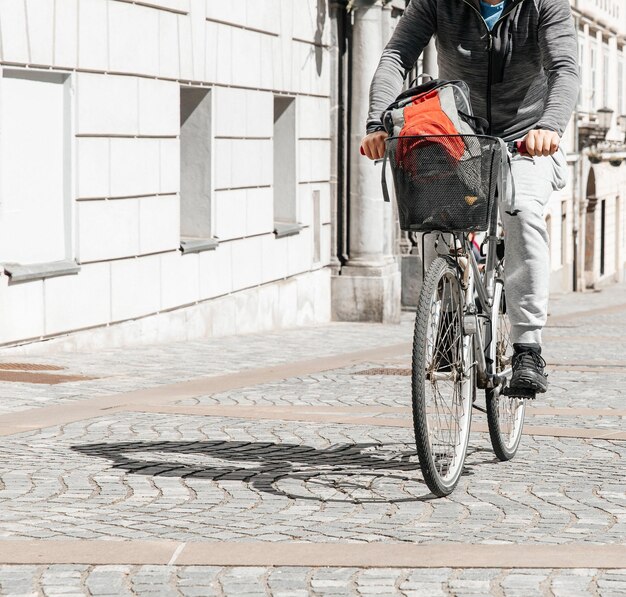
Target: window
(605, 77)
(317, 228)
(620, 86)
(593, 76)
(195, 164)
(602, 237)
(285, 191)
(581, 67)
(35, 167)
(564, 232)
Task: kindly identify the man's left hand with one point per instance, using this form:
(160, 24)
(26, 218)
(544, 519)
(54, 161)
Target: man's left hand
(542, 142)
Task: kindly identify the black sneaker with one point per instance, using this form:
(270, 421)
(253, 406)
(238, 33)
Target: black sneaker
(528, 369)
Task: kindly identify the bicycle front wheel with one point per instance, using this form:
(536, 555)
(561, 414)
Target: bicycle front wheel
(441, 379)
(505, 414)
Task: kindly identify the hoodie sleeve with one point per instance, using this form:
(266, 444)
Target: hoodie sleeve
(558, 42)
(412, 34)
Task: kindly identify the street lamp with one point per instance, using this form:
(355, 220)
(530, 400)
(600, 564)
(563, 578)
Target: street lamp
(595, 157)
(605, 118)
(592, 133)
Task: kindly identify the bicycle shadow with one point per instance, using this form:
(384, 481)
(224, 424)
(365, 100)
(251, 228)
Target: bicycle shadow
(347, 473)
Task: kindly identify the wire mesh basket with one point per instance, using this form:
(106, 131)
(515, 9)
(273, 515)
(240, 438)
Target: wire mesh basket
(445, 182)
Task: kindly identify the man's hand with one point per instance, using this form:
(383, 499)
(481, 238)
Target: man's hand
(542, 142)
(373, 145)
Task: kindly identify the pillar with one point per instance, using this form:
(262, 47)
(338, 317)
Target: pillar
(429, 62)
(599, 90)
(367, 288)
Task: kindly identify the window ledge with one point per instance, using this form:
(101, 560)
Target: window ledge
(282, 229)
(197, 245)
(37, 271)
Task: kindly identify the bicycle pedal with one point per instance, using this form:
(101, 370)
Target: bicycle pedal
(524, 393)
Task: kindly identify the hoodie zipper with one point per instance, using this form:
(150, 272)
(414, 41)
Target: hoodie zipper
(514, 3)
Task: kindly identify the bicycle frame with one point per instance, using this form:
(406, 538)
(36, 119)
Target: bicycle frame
(481, 285)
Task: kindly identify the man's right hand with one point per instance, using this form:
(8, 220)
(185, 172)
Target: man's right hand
(373, 145)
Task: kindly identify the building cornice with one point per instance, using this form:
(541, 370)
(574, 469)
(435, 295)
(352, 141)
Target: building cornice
(599, 24)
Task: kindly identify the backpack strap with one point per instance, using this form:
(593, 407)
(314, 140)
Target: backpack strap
(414, 81)
(424, 88)
(505, 178)
(383, 178)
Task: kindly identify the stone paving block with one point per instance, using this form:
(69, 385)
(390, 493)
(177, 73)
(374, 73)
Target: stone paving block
(566, 584)
(107, 580)
(18, 580)
(523, 583)
(425, 591)
(469, 586)
(300, 581)
(287, 581)
(203, 591)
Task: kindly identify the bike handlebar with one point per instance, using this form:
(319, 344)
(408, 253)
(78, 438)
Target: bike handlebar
(515, 147)
(518, 148)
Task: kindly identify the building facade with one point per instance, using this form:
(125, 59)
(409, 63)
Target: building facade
(177, 169)
(587, 220)
(164, 169)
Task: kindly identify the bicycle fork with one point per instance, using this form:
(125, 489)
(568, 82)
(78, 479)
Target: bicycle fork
(478, 326)
(472, 326)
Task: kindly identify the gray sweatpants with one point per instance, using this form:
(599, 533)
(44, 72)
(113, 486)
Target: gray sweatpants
(527, 269)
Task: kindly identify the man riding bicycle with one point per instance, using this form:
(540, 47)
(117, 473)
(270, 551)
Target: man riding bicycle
(519, 58)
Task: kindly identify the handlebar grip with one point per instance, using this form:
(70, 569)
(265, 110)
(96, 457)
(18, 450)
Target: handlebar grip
(521, 147)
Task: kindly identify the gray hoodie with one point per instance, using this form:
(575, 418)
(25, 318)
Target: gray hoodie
(522, 75)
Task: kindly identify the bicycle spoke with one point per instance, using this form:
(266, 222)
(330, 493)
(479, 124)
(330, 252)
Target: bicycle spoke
(441, 396)
(446, 354)
(507, 413)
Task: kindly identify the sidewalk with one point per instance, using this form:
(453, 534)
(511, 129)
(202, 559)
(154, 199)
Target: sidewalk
(284, 464)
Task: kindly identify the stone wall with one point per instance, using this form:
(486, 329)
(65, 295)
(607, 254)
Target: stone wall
(126, 63)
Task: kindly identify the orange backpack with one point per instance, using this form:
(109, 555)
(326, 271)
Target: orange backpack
(437, 112)
(447, 173)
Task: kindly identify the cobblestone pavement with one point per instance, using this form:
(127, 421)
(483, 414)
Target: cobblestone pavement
(122, 370)
(187, 478)
(204, 581)
(143, 473)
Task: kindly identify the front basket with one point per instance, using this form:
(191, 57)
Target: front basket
(445, 182)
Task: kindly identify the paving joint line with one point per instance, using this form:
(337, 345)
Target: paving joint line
(176, 554)
(49, 416)
(587, 313)
(312, 554)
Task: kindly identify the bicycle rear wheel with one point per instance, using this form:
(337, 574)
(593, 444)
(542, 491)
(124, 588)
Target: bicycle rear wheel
(441, 379)
(505, 415)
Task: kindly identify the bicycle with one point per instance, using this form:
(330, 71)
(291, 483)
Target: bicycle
(462, 338)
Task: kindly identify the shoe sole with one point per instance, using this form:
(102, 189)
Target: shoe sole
(527, 383)
(524, 393)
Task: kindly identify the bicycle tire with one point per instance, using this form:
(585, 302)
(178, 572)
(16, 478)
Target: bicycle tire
(441, 287)
(505, 415)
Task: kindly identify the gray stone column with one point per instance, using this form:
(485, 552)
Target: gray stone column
(431, 68)
(368, 286)
(414, 264)
(430, 59)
